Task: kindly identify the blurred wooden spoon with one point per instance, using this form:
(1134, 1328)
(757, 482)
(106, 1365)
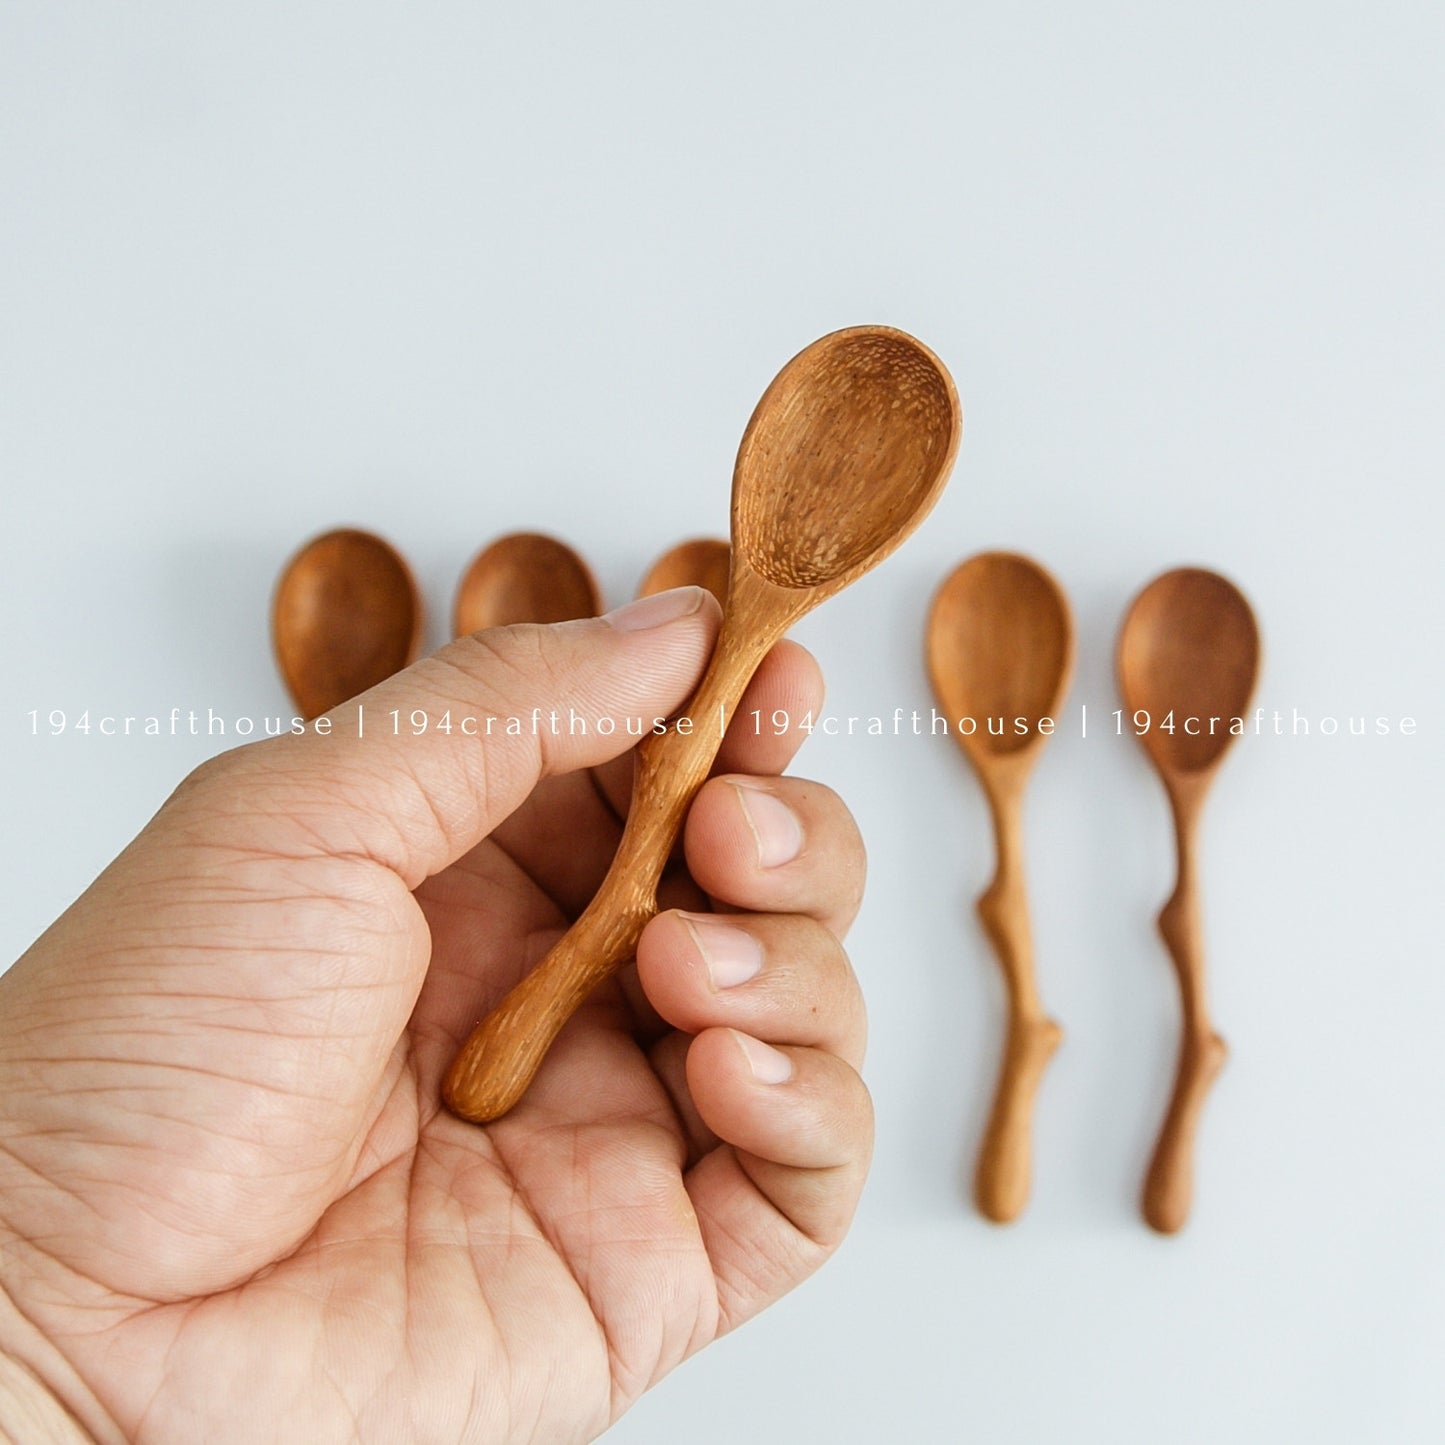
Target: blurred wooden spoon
(1000, 653)
(1188, 654)
(524, 577)
(701, 562)
(345, 616)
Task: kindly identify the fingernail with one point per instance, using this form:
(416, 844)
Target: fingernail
(769, 1065)
(732, 956)
(775, 827)
(657, 610)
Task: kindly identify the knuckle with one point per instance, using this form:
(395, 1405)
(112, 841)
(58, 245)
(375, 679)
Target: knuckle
(506, 662)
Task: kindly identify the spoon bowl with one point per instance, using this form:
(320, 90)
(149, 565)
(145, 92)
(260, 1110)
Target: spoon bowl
(345, 616)
(702, 562)
(842, 458)
(847, 450)
(1188, 657)
(1188, 645)
(1000, 645)
(1000, 653)
(524, 577)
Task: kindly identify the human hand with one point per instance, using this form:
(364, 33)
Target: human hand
(231, 1207)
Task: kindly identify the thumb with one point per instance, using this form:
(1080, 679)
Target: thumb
(419, 769)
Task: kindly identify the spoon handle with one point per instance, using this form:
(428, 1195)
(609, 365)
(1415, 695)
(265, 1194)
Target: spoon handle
(1169, 1185)
(497, 1062)
(1001, 1179)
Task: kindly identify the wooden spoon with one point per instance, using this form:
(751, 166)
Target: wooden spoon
(1188, 657)
(524, 577)
(702, 562)
(843, 457)
(1000, 652)
(346, 615)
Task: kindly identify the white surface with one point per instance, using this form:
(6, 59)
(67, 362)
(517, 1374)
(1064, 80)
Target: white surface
(449, 270)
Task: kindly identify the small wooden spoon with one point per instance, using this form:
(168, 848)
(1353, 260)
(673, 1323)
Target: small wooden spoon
(1188, 656)
(346, 615)
(1000, 652)
(524, 577)
(703, 562)
(843, 457)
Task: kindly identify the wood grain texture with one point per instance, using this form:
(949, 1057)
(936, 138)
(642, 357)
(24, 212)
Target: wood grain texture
(524, 577)
(1188, 646)
(346, 614)
(1000, 647)
(843, 456)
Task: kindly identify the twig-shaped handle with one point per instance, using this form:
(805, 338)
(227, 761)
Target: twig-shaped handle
(499, 1058)
(1001, 1179)
(494, 1066)
(1169, 1185)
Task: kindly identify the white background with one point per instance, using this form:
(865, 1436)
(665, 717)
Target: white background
(449, 270)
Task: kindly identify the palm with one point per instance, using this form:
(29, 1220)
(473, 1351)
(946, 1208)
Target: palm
(413, 1253)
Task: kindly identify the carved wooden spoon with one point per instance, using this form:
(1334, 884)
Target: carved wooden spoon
(843, 457)
(524, 577)
(346, 615)
(702, 562)
(1188, 657)
(1000, 652)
